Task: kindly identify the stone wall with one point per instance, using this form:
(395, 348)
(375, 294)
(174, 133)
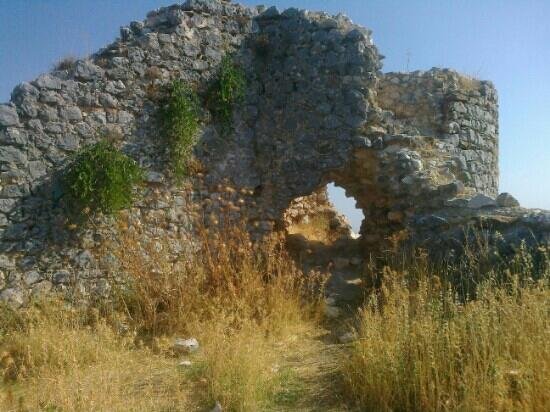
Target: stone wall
(114, 93)
(317, 109)
(316, 210)
(461, 112)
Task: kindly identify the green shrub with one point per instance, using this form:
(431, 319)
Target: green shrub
(101, 178)
(179, 118)
(226, 91)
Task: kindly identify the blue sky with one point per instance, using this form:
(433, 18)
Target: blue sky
(505, 41)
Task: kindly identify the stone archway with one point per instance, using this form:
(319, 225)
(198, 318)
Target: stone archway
(318, 109)
(315, 219)
(374, 179)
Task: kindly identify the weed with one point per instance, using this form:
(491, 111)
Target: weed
(291, 388)
(65, 362)
(100, 178)
(226, 92)
(239, 300)
(236, 297)
(66, 63)
(468, 83)
(422, 347)
(179, 119)
(228, 274)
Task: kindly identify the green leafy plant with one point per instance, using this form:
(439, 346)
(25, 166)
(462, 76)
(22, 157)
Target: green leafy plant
(179, 118)
(101, 178)
(226, 91)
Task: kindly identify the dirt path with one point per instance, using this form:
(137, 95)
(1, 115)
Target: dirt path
(312, 361)
(314, 382)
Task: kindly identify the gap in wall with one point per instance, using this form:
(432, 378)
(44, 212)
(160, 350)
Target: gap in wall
(345, 206)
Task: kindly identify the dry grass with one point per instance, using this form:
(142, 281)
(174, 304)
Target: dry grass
(240, 301)
(224, 276)
(237, 298)
(422, 348)
(316, 229)
(66, 63)
(66, 360)
(468, 82)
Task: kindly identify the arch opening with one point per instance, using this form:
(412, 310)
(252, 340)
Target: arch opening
(325, 217)
(346, 206)
(322, 232)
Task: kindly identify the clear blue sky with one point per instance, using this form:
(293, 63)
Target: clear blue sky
(506, 41)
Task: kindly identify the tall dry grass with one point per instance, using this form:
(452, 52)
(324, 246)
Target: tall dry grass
(61, 359)
(423, 347)
(238, 298)
(226, 275)
(241, 301)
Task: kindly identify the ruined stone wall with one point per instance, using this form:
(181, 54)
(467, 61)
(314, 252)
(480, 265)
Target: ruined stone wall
(461, 112)
(317, 109)
(309, 78)
(317, 210)
(113, 93)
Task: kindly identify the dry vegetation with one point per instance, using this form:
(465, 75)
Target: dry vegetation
(316, 229)
(421, 345)
(62, 360)
(240, 301)
(469, 82)
(66, 63)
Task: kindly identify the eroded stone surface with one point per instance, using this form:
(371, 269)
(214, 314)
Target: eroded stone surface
(413, 149)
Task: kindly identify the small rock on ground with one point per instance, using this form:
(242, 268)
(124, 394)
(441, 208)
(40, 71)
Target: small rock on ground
(217, 408)
(185, 363)
(185, 345)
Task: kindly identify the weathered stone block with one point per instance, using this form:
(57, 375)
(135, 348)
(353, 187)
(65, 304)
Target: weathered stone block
(10, 154)
(47, 81)
(8, 116)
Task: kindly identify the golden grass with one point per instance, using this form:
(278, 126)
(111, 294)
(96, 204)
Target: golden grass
(227, 277)
(240, 301)
(67, 360)
(317, 229)
(468, 83)
(237, 298)
(421, 348)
